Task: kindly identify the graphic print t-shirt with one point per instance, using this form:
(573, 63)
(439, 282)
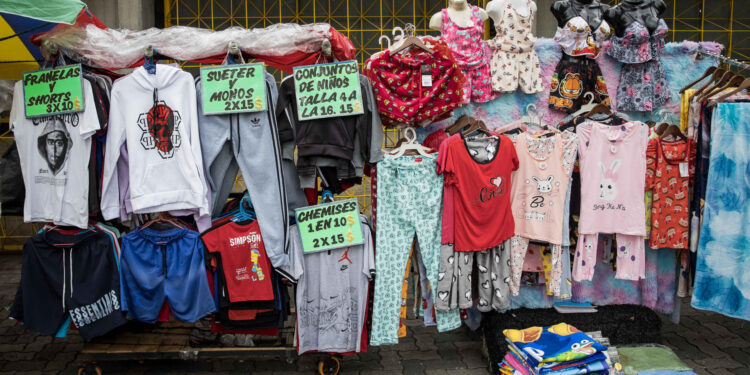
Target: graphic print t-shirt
(54, 152)
(243, 257)
(332, 291)
(482, 213)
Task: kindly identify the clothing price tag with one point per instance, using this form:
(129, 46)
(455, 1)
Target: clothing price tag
(426, 76)
(53, 91)
(234, 88)
(684, 170)
(329, 226)
(328, 90)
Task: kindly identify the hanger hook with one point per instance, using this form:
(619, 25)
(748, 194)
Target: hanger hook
(400, 33)
(589, 95)
(531, 109)
(380, 41)
(410, 134)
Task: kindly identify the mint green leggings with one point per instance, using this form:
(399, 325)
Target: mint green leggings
(409, 202)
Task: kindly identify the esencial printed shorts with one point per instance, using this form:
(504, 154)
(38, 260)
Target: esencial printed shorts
(164, 264)
(574, 77)
(72, 276)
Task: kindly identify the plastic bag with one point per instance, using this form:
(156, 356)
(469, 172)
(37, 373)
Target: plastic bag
(115, 49)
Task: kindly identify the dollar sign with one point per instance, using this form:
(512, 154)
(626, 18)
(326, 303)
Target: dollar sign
(350, 220)
(357, 106)
(259, 103)
(77, 104)
(349, 236)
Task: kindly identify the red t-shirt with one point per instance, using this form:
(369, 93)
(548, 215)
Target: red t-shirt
(243, 257)
(482, 214)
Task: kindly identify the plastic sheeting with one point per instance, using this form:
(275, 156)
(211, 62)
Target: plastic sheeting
(115, 49)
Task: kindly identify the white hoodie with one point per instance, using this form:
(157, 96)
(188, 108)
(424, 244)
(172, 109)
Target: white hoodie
(156, 115)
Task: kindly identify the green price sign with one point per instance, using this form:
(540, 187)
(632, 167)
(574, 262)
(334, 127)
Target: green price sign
(328, 90)
(234, 88)
(329, 226)
(53, 92)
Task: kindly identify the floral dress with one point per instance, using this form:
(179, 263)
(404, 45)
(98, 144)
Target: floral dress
(643, 83)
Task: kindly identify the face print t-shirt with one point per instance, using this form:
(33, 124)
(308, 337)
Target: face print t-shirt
(247, 269)
(482, 214)
(54, 152)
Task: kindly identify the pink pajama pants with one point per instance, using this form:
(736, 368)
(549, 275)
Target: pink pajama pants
(631, 257)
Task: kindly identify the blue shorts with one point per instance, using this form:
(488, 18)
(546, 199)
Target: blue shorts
(164, 264)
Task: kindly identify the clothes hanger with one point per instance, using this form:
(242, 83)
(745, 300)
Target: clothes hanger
(461, 123)
(599, 108)
(411, 144)
(163, 218)
(708, 72)
(714, 77)
(531, 116)
(673, 130)
(479, 126)
(586, 107)
(409, 41)
(742, 86)
(149, 63)
(733, 81)
(721, 80)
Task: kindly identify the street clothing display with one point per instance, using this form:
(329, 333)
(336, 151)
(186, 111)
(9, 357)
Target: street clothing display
(156, 116)
(514, 61)
(670, 168)
(332, 293)
(54, 153)
(397, 83)
(577, 38)
(158, 265)
(249, 142)
(468, 49)
(249, 278)
(574, 77)
(643, 83)
(615, 157)
(480, 187)
(70, 276)
(406, 185)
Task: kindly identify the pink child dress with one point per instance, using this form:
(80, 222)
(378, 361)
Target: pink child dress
(467, 45)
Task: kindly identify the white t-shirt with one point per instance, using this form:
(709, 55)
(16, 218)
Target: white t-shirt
(331, 293)
(54, 154)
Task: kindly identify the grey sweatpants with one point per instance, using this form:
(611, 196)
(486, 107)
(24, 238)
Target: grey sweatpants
(250, 142)
(455, 278)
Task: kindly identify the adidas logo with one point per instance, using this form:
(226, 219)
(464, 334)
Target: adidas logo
(255, 120)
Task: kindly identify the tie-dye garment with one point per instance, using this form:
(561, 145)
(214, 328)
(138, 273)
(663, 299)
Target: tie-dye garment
(722, 283)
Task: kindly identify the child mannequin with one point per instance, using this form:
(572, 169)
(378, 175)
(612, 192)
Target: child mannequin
(496, 8)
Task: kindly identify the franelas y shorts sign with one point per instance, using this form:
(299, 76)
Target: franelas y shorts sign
(53, 91)
(234, 88)
(328, 90)
(329, 226)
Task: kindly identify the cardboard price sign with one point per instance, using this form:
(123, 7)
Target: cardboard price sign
(53, 91)
(328, 90)
(234, 88)
(329, 226)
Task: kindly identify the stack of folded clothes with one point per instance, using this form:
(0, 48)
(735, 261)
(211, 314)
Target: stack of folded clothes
(560, 349)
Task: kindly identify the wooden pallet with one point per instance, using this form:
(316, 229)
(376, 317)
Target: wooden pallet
(171, 340)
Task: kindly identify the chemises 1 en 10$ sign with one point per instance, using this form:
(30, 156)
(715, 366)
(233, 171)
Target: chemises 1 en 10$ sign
(53, 91)
(234, 88)
(329, 226)
(328, 90)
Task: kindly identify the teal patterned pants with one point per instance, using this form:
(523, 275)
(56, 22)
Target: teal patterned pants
(409, 201)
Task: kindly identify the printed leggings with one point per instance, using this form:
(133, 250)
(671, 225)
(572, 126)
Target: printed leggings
(631, 257)
(409, 202)
(454, 279)
(518, 247)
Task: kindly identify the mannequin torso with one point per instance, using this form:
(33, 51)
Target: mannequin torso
(646, 12)
(590, 10)
(459, 11)
(496, 8)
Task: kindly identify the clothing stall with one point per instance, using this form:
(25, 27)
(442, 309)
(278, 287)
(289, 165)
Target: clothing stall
(593, 170)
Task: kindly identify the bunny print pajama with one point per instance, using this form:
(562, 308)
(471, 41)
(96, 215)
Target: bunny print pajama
(613, 166)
